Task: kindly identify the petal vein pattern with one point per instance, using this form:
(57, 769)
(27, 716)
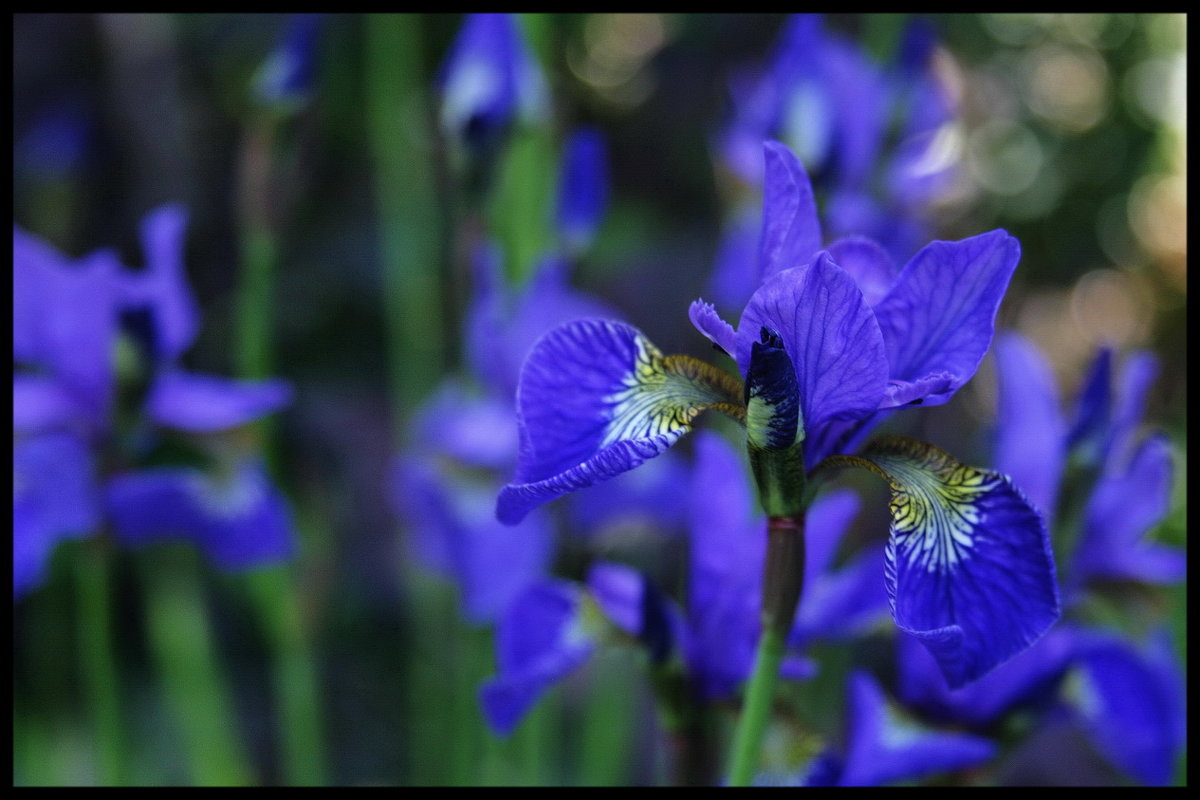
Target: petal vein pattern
(968, 565)
(596, 398)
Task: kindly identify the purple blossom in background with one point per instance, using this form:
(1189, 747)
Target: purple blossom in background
(1131, 491)
(489, 80)
(289, 72)
(66, 323)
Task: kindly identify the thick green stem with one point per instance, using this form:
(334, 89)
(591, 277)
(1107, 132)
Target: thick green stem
(98, 662)
(756, 713)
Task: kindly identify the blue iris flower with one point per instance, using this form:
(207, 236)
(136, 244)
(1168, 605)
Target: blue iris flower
(287, 76)
(66, 324)
(1036, 442)
(827, 351)
(489, 80)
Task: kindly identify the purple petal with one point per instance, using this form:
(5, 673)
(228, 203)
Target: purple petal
(452, 524)
(830, 334)
(162, 287)
(1132, 706)
(883, 748)
(858, 89)
(736, 273)
(478, 431)
(1028, 678)
(288, 74)
(596, 398)
(842, 604)
(653, 498)
(1122, 509)
(1030, 431)
(240, 521)
(1137, 376)
(868, 263)
(706, 320)
(199, 403)
(538, 643)
(791, 230)
(725, 568)
(65, 319)
(969, 567)
(40, 404)
(1094, 406)
(938, 318)
(54, 499)
(827, 520)
(636, 606)
(583, 188)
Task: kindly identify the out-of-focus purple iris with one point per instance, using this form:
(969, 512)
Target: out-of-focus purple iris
(489, 79)
(882, 747)
(1035, 443)
(836, 108)
(831, 342)
(286, 77)
(66, 323)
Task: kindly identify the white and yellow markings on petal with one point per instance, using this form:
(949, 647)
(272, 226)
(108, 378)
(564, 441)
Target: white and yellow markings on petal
(662, 395)
(936, 501)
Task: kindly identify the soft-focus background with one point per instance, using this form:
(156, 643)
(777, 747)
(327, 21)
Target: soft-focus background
(1075, 142)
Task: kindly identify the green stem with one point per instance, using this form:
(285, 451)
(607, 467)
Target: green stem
(98, 661)
(182, 643)
(756, 713)
(297, 683)
(409, 224)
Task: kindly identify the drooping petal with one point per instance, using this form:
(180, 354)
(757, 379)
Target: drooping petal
(830, 334)
(728, 544)
(1132, 705)
(791, 230)
(1121, 510)
(539, 641)
(54, 499)
(582, 188)
(1030, 678)
(197, 403)
(939, 316)
(969, 567)
(456, 532)
(882, 747)
(240, 521)
(41, 403)
(869, 264)
(1030, 430)
(596, 398)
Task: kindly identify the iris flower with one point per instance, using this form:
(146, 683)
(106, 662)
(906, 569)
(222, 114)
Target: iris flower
(67, 321)
(825, 351)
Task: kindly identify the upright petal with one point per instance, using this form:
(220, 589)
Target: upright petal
(1030, 430)
(868, 263)
(582, 188)
(791, 230)
(596, 398)
(830, 334)
(969, 567)
(161, 287)
(938, 319)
